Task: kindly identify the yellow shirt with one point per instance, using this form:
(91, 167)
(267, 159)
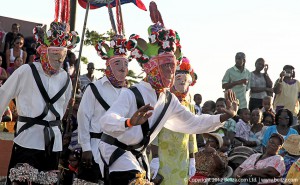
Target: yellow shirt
(288, 98)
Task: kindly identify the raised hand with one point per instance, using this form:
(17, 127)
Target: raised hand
(141, 115)
(232, 104)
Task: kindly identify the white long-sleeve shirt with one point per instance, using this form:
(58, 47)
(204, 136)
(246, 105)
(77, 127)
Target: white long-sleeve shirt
(21, 85)
(179, 120)
(90, 112)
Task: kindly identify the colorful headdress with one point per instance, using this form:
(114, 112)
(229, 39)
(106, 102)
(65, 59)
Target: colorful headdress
(117, 48)
(56, 36)
(186, 67)
(161, 40)
(116, 51)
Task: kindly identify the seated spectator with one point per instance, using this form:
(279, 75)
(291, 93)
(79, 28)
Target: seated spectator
(198, 101)
(210, 161)
(226, 147)
(291, 152)
(267, 165)
(283, 120)
(230, 123)
(3, 75)
(243, 128)
(69, 174)
(293, 176)
(257, 130)
(17, 63)
(267, 104)
(209, 107)
(268, 118)
(260, 84)
(16, 51)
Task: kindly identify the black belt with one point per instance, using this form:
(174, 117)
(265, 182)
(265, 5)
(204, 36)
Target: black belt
(49, 135)
(95, 135)
(122, 148)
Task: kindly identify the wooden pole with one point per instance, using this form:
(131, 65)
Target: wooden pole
(77, 68)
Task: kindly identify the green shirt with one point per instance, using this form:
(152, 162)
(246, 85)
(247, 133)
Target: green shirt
(234, 74)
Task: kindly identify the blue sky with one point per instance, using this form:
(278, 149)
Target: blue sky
(211, 32)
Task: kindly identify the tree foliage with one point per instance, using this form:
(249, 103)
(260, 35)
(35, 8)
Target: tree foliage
(84, 60)
(92, 37)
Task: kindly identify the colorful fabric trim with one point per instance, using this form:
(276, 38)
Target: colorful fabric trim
(141, 180)
(25, 172)
(110, 76)
(154, 78)
(181, 96)
(185, 65)
(117, 48)
(57, 36)
(42, 50)
(161, 40)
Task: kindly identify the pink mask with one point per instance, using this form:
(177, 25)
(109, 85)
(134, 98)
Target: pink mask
(56, 56)
(182, 82)
(167, 67)
(119, 67)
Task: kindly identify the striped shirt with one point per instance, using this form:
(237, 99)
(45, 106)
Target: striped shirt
(234, 74)
(84, 81)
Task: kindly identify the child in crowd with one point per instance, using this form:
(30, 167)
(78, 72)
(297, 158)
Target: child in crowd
(268, 118)
(242, 129)
(229, 126)
(209, 107)
(267, 105)
(226, 147)
(198, 101)
(17, 63)
(257, 130)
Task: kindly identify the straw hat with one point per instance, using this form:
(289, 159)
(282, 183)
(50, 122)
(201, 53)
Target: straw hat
(292, 144)
(218, 137)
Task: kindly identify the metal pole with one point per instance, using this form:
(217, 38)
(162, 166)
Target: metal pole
(111, 18)
(73, 7)
(78, 66)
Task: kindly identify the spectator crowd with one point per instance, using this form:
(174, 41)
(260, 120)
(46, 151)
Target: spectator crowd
(261, 142)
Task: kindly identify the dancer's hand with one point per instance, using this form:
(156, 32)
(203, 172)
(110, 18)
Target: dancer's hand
(141, 115)
(232, 104)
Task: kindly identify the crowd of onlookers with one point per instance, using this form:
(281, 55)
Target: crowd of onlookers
(262, 141)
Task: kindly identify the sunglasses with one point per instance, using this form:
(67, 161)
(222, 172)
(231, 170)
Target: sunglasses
(19, 43)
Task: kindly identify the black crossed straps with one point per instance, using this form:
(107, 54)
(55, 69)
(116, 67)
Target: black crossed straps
(102, 102)
(29, 122)
(122, 148)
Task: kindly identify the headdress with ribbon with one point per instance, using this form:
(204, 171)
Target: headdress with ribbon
(56, 36)
(162, 43)
(116, 51)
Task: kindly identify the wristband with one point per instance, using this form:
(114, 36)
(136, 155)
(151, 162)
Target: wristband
(128, 123)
